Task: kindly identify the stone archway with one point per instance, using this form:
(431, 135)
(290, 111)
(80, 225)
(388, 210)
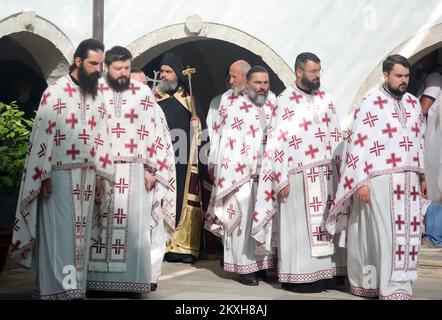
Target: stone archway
(50, 48)
(157, 42)
(211, 48)
(414, 49)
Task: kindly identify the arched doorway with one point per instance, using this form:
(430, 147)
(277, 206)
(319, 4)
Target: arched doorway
(415, 48)
(33, 53)
(210, 48)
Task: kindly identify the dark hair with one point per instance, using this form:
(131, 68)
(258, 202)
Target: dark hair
(136, 70)
(303, 58)
(255, 69)
(389, 63)
(116, 53)
(83, 49)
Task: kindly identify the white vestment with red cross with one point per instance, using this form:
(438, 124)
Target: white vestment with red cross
(236, 153)
(386, 138)
(70, 132)
(304, 137)
(140, 141)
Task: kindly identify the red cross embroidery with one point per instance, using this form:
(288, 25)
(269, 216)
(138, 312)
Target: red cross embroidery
(370, 119)
(92, 123)
(377, 148)
(398, 192)
(313, 174)
(295, 97)
(295, 142)
(311, 151)
(414, 193)
(279, 155)
(320, 93)
(237, 123)
(415, 224)
(84, 136)
(106, 161)
(73, 152)
(352, 161)
(98, 245)
(393, 160)
(245, 106)
(389, 130)
(411, 101)
(98, 141)
(288, 114)
(44, 99)
(326, 119)
(51, 125)
(132, 115)
(121, 186)
(399, 222)
(120, 216)
(240, 167)
(367, 168)
(413, 253)
(131, 145)
(406, 144)
(348, 183)
(118, 130)
(42, 151)
(360, 140)
(305, 124)
(38, 173)
(146, 103)
(77, 191)
(117, 246)
(162, 164)
(400, 252)
(380, 102)
(336, 135)
(270, 195)
(133, 88)
(59, 106)
(72, 121)
(69, 89)
(230, 211)
(320, 134)
(319, 233)
(102, 88)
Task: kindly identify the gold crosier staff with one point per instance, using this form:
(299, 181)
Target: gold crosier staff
(196, 123)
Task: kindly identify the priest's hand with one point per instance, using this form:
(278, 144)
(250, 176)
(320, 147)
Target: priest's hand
(99, 190)
(46, 188)
(363, 194)
(211, 172)
(284, 193)
(424, 193)
(149, 180)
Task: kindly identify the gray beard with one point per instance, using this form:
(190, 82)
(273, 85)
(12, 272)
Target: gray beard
(167, 85)
(257, 99)
(236, 90)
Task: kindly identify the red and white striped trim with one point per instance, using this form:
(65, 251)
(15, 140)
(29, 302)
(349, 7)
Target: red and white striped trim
(311, 277)
(65, 295)
(260, 265)
(119, 286)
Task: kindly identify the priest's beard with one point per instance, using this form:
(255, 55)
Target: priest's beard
(258, 97)
(311, 85)
(168, 86)
(120, 84)
(88, 82)
(237, 90)
(399, 90)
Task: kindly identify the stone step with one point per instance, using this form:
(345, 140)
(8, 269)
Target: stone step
(430, 263)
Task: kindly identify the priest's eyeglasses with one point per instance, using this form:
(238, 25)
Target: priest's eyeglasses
(314, 71)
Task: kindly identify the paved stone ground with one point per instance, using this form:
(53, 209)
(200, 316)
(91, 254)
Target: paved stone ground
(205, 280)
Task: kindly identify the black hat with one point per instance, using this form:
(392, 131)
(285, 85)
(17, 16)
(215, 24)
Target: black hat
(171, 60)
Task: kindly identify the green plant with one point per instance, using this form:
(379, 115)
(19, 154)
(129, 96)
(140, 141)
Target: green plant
(15, 131)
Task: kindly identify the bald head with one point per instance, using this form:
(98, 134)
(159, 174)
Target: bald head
(237, 73)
